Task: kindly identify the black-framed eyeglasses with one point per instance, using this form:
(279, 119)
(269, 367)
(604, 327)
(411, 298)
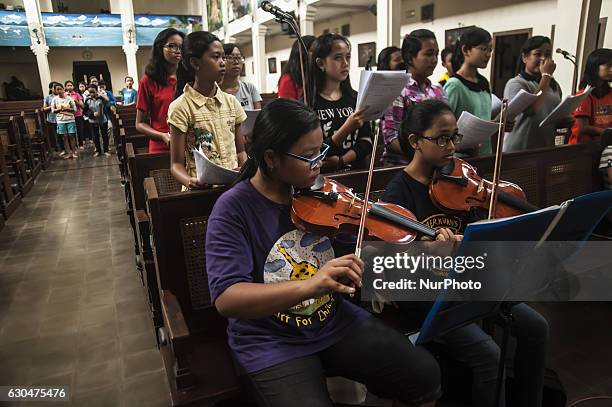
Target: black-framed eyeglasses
(173, 47)
(443, 140)
(313, 162)
(486, 50)
(237, 59)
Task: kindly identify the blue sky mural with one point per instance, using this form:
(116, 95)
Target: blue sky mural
(14, 29)
(82, 30)
(148, 26)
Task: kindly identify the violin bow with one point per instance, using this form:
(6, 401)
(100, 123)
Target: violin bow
(366, 197)
(498, 157)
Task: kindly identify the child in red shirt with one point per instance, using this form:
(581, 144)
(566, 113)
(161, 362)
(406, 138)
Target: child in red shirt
(156, 89)
(594, 115)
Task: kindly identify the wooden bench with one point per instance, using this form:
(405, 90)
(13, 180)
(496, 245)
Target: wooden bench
(139, 168)
(16, 157)
(193, 341)
(10, 197)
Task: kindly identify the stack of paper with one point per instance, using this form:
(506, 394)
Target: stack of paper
(378, 90)
(211, 173)
(519, 103)
(566, 107)
(475, 130)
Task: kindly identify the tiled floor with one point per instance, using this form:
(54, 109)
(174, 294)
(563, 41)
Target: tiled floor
(72, 308)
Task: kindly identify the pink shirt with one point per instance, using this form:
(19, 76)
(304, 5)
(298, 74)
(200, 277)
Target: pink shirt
(76, 96)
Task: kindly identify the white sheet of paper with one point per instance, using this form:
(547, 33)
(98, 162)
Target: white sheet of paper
(521, 101)
(565, 108)
(496, 105)
(378, 90)
(247, 125)
(211, 173)
(475, 130)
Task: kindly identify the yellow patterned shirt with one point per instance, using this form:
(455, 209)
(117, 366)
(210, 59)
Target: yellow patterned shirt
(209, 122)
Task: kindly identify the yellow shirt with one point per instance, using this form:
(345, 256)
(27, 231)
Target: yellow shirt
(209, 122)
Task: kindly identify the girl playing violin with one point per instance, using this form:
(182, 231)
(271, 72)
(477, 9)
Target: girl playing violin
(430, 129)
(280, 288)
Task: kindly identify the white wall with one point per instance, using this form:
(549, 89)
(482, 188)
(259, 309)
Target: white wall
(606, 11)
(20, 62)
(175, 7)
(61, 59)
(279, 47)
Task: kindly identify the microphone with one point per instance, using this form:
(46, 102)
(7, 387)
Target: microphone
(564, 53)
(277, 12)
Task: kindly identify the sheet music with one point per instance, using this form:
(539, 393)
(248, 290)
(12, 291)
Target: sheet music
(475, 130)
(566, 107)
(521, 101)
(249, 123)
(378, 90)
(210, 173)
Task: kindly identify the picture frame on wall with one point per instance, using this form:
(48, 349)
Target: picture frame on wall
(271, 65)
(451, 36)
(366, 52)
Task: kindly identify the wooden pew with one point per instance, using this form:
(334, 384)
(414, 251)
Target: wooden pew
(16, 157)
(193, 337)
(139, 168)
(31, 145)
(267, 98)
(9, 197)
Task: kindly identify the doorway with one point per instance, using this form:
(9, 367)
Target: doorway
(82, 70)
(506, 57)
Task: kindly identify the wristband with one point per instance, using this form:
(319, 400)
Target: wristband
(547, 74)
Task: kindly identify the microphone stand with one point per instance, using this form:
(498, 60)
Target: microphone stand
(290, 21)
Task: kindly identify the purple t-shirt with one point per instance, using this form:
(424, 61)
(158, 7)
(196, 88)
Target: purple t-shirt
(252, 239)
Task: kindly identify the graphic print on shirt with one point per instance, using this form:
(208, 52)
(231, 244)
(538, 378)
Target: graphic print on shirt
(334, 115)
(299, 256)
(200, 137)
(443, 220)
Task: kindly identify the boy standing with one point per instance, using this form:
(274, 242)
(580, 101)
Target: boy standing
(78, 115)
(128, 94)
(64, 108)
(97, 119)
(110, 106)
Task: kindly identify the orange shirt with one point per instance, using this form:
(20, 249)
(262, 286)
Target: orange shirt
(597, 111)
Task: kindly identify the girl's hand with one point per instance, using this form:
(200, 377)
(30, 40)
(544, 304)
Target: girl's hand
(445, 235)
(548, 66)
(354, 121)
(336, 275)
(566, 123)
(167, 139)
(96, 114)
(195, 184)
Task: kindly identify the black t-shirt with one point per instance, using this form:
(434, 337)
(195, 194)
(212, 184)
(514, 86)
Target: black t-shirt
(333, 114)
(405, 191)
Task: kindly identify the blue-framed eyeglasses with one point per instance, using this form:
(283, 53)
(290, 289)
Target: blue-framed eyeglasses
(312, 161)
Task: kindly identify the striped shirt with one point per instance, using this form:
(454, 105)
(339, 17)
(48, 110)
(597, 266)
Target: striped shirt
(392, 120)
(604, 164)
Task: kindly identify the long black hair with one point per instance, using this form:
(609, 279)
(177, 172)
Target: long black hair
(413, 42)
(321, 48)
(384, 58)
(293, 64)
(532, 43)
(194, 45)
(156, 68)
(418, 118)
(601, 56)
(279, 125)
(469, 39)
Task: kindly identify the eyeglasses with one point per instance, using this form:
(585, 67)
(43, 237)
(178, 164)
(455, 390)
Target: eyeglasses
(313, 162)
(486, 50)
(173, 47)
(237, 59)
(442, 141)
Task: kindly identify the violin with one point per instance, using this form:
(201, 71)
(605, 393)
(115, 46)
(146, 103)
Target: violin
(458, 188)
(334, 208)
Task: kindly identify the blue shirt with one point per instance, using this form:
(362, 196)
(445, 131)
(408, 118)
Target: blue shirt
(129, 96)
(252, 239)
